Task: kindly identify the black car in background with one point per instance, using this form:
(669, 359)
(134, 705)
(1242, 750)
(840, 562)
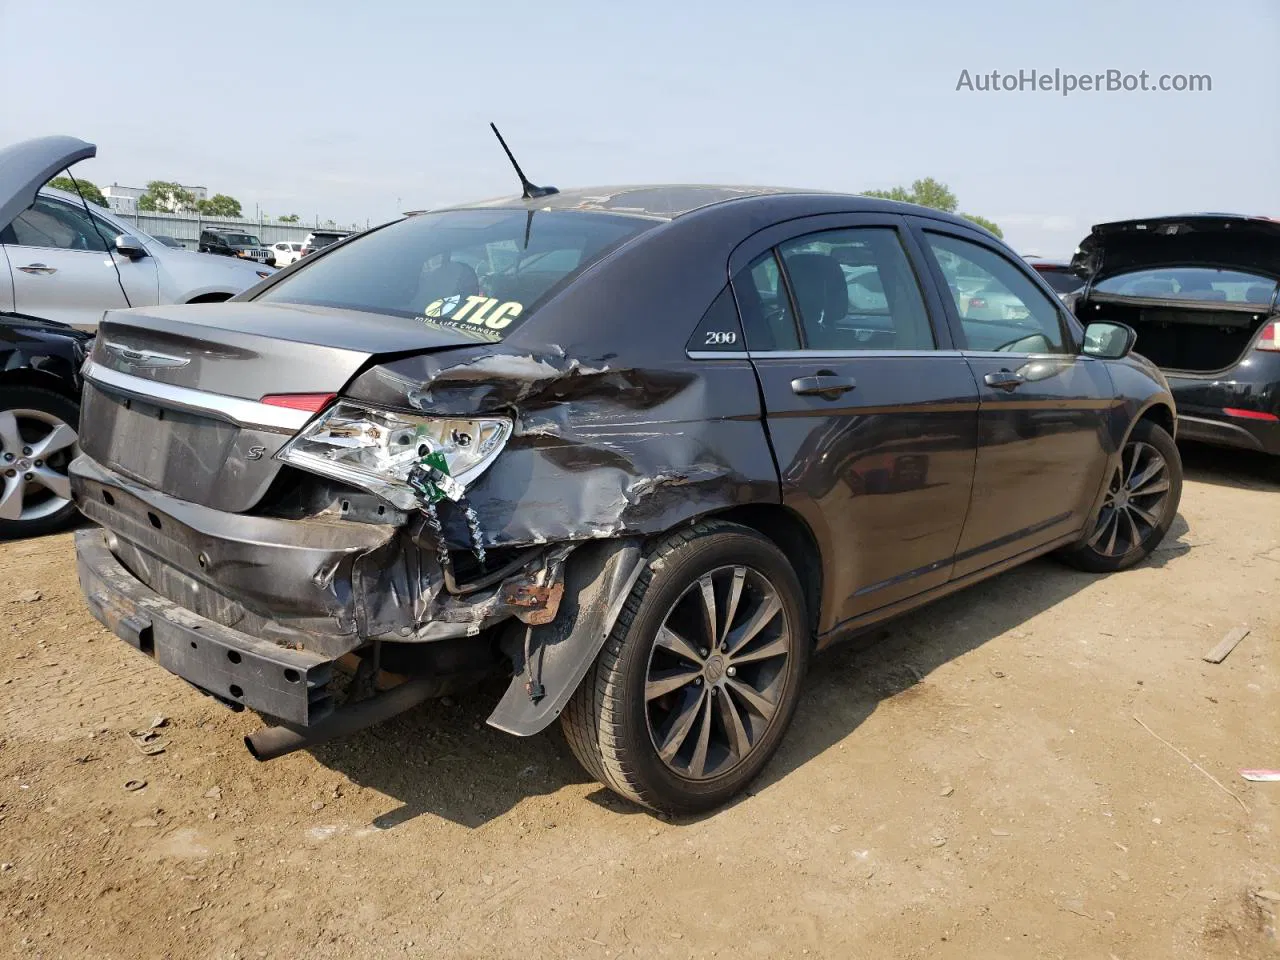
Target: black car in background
(39, 411)
(1201, 292)
(642, 450)
(1058, 274)
(231, 243)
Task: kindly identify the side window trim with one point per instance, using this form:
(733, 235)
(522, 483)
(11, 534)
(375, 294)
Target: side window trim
(920, 226)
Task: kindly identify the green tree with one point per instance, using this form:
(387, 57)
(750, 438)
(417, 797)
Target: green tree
(87, 187)
(985, 223)
(220, 205)
(289, 218)
(930, 193)
(167, 196)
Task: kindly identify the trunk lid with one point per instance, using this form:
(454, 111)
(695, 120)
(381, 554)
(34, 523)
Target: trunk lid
(250, 349)
(27, 166)
(1228, 241)
(172, 393)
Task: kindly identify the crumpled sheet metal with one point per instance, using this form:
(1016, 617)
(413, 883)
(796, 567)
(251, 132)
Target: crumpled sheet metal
(596, 451)
(399, 592)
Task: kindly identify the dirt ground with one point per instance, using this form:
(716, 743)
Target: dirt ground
(973, 783)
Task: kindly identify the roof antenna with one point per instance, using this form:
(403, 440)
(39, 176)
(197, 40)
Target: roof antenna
(531, 190)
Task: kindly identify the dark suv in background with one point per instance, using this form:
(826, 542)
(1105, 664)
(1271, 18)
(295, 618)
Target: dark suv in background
(230, 243)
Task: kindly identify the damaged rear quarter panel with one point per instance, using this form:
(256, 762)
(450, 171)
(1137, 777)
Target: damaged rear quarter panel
(597, 451)
(616, 431)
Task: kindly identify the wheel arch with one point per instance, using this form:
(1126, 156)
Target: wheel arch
(788, 531)
(1161, 414)
(61, 382)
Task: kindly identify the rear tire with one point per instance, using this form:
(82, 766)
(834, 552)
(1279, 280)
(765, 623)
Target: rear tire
(1142, 499)
(682, 707)
(36, 420)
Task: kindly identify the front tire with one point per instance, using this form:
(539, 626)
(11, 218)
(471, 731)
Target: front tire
(37, 444)
(1142, 498)
(699, 679)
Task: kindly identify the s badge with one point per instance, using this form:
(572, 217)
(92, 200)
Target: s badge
(255, 453)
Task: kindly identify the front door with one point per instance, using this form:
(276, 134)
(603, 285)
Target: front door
(872, 418)
(1044, 408)
(64, 267)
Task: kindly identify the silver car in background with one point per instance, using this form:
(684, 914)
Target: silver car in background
(59, 261)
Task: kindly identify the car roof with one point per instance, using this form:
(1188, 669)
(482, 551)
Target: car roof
(672, 201)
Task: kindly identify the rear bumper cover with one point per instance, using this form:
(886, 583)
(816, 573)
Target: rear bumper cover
(1228, 432)
(292, 685)
(1255, 388)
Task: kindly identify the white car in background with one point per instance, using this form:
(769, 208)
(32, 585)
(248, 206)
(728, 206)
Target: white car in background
(286, 252)
(59, 261)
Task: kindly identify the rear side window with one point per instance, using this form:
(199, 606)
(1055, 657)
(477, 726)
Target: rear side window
(479, 271)
(766, 307)
(855, 290)
(1000, 307)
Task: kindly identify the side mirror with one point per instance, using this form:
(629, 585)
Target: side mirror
(130, 247)
(1108, 341)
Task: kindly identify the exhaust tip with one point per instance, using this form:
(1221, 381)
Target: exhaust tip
(253, 751)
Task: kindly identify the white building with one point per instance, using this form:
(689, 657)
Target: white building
(125, 199)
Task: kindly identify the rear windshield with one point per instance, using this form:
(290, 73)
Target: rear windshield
(481, 271)
(1191, 283)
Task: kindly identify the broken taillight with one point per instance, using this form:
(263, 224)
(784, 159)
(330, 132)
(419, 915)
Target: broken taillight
(310, 402)
(1270, 339)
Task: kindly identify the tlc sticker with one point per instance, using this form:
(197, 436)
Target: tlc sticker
(479, 311)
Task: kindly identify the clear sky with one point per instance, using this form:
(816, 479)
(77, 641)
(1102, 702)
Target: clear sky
(356, 110)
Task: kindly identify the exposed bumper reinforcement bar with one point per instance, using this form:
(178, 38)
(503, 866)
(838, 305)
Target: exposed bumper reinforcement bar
(292, 685)
(271, 742)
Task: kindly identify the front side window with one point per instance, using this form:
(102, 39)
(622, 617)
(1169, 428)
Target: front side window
(60, 226)
(855, 290)
(1000, 307)
(1191, 283)
(479, 271)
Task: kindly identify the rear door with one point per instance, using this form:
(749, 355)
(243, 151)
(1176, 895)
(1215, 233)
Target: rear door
(872, 415)
(64, 267)
(1044, 443)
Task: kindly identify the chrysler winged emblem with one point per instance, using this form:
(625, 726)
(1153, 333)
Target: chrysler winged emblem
(145, 358)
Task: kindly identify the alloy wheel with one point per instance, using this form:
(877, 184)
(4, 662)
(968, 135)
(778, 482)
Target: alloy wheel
(716, 672)
(1136, 502)
(35, 450)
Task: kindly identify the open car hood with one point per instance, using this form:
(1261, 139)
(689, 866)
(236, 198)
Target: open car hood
(27, 166)
(1229, 241)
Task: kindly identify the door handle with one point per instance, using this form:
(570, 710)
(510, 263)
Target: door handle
(826, 385)
(1004, 379)
(38, 268)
